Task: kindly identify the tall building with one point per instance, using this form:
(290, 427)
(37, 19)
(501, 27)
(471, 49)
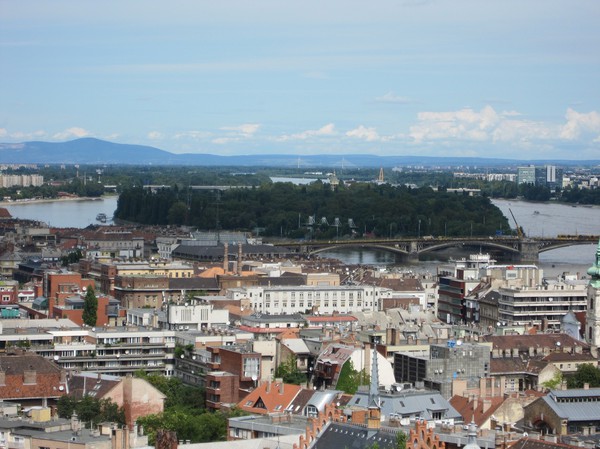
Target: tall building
(526, 175)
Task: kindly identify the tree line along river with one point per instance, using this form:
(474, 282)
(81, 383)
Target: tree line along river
(536, 219)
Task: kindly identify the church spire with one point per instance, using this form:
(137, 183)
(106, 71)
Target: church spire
(374, 386)
(594, 270)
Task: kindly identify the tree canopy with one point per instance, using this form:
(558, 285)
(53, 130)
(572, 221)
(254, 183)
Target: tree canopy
(90, 409)
(284, 210)
(90, 308)
(585, 374)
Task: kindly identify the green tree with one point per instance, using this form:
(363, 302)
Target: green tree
(90, 308)
(400, 440)
(289, 372)
(90, 409)
(585, 374)
(350, 379)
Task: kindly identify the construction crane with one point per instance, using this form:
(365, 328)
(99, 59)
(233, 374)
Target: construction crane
(520, 232)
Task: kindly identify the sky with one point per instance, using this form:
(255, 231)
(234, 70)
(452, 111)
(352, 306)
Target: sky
(486, 78)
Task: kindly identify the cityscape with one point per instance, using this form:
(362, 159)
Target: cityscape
(299, 225)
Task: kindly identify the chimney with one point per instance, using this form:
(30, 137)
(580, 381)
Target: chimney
(239, 259)
(281, 387)
(486, 404)
(586, 386)
(268, 389)
(225, 257)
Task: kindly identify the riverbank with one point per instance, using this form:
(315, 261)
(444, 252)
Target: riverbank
(53, 200)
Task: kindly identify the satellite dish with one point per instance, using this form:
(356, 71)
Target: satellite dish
(254, 377)
(61, 388)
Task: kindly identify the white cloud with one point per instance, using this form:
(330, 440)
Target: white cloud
(155, 135)
(391, 97)
(225, 140)
(3, 132)
(580, 123)
(364, 133)
(486, 124)
(74, 132)
(246, 130)
(324, 131)
(195, 135)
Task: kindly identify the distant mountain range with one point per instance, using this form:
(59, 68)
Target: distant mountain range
(90, 151)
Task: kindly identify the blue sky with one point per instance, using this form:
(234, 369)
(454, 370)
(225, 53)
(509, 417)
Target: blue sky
(491, 78)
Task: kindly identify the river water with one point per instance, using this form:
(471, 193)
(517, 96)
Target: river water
(536, 219)
(65, 214)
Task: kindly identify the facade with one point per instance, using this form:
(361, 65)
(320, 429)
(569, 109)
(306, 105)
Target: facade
(318, 299)
(526, 175)
(109, 350)
(454, 285)
(443, 365)
(195, 316)
(544, 304)
(141, 291)
(240, 360)
(9, 292)
(222, 389)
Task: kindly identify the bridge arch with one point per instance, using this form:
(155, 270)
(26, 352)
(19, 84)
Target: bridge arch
(361, 245)
(510, 249)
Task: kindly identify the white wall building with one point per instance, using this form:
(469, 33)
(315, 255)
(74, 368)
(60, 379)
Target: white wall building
(318, 299)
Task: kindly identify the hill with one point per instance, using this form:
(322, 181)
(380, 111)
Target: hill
(87, 151)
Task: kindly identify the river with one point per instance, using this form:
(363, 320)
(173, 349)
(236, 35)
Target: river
(65, 214)
(536, 219)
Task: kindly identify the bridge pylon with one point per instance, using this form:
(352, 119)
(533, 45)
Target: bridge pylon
(529, 251)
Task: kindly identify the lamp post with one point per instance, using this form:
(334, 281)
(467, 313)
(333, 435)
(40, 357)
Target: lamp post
(419, 230)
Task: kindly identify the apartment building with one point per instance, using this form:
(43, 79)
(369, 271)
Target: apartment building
(543, 305)
(114, 350)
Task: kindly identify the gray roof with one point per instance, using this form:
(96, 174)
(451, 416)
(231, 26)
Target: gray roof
(340, 435)
(415, 403)
(576, 404)
(263, 318)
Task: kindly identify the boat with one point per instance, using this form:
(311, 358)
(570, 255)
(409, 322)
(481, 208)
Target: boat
(536, 212)
(101, 217)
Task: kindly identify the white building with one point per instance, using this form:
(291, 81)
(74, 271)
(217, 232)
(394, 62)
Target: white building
(317, 299)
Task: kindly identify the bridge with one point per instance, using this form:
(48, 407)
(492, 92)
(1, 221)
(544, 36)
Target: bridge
(522, 250)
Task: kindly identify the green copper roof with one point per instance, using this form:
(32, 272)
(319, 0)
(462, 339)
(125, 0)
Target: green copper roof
(594, 270)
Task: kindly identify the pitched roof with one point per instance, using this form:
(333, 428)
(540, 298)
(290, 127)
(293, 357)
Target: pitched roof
(478, 412)
(96, 385)
(516, 365)
(270, 397)
(530, 443)
(17, 364)
(540, 340)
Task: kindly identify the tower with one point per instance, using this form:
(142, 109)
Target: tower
(592, 320)
(374, 413)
